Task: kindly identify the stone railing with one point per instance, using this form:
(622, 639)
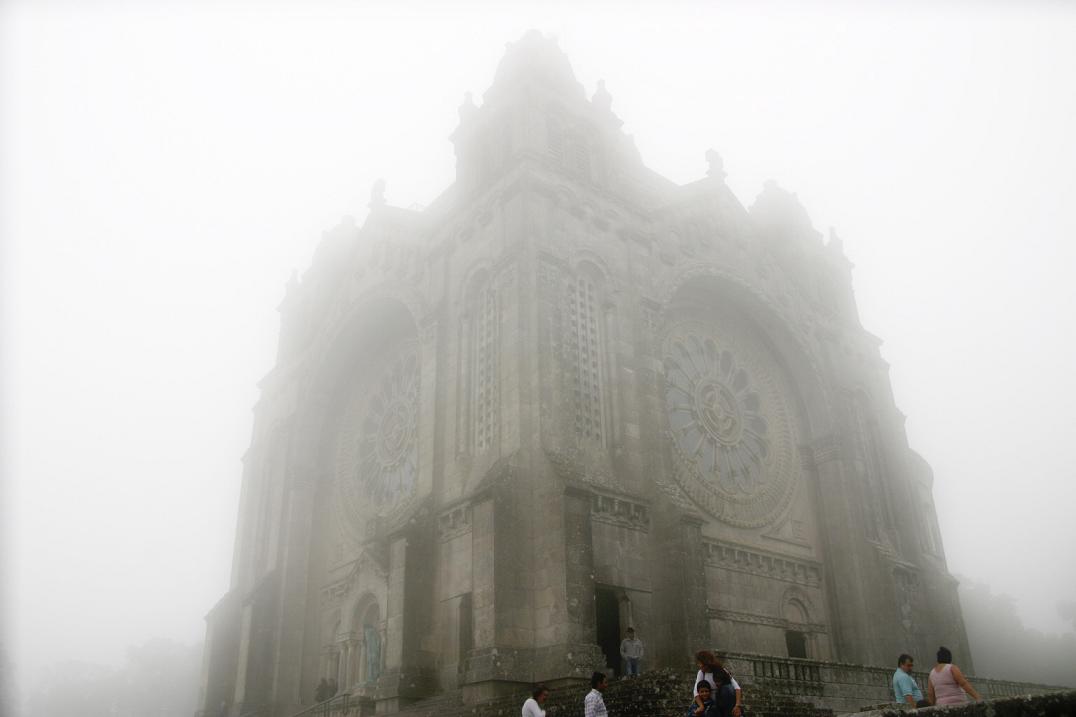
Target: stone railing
(339, 706)
(844, 687)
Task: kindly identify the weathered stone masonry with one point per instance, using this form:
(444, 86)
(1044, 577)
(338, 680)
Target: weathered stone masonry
(570, 396)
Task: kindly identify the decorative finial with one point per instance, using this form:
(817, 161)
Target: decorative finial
(467, 108)
(717, 165)
(377, 194)
(835, 242)
(602, 99)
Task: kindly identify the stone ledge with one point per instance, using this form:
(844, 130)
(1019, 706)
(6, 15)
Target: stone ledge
(1052, 704)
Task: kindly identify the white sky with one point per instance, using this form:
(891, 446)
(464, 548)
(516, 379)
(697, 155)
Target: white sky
(166, 166)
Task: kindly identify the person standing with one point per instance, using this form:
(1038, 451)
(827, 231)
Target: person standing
(593, 704)
(631, 652)
(533, 706)
(905, 689)
(321, 692)
(737, 706)
(947, 684)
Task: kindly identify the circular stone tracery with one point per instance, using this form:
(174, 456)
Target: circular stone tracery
(728, 423)
(720, 411)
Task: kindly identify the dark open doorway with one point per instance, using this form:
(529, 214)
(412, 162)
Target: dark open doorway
(796, 642)
(607, 624)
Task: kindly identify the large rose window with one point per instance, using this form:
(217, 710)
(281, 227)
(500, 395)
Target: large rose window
(378, 446)
(727, 420)
(388, 449)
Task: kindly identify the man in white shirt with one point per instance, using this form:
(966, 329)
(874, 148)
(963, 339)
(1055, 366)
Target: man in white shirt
(631, 652)
(533, 706)
(593, 704)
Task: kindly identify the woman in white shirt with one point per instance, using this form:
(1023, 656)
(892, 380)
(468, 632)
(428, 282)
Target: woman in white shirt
(712, 669)
(533, 706)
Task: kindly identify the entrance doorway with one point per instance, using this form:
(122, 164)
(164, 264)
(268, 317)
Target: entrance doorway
(607, 626)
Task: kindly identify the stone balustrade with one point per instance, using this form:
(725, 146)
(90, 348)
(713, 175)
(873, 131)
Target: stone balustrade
(845, 687)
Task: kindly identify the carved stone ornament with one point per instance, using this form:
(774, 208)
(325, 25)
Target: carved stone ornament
(377, 450)
(731, 430)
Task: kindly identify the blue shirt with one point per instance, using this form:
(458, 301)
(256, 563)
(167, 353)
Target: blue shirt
(708, 704)
(904, 684)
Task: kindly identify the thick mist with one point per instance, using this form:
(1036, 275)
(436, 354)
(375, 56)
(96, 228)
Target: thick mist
(166, 168)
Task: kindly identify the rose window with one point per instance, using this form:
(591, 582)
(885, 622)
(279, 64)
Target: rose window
(728, 424)
(387, 445)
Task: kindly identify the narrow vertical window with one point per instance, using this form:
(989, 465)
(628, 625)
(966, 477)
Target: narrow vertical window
(484, 355)
(585, 350)
(555, 139)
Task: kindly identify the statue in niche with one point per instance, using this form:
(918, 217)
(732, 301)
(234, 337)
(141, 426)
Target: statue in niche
(372, 641)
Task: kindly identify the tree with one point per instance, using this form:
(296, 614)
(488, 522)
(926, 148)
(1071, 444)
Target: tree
(159, 679)
(1003, 648)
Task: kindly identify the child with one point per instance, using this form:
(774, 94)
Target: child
(703, 704)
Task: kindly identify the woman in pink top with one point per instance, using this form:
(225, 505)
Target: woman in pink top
(947, 684)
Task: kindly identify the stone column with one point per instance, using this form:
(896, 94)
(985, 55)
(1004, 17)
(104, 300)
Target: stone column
(482, 538)
(846, 568)
(679, 600)
(294, 658)
(345, 667)
(384, 633)
(579, 563)
(406, 618)
(360, 663)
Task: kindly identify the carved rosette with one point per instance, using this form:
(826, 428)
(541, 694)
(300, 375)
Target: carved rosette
(377, 451)
(731, 430)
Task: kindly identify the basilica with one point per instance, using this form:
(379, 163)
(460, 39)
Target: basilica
(568, 397)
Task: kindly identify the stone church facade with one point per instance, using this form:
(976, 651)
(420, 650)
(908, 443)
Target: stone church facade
(568, 397)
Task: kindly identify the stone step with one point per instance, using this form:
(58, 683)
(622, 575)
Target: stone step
(661, 693)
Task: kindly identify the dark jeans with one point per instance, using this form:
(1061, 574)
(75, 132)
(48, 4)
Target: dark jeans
(631, 665)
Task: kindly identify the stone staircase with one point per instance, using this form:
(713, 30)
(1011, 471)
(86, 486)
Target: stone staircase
(661, 693)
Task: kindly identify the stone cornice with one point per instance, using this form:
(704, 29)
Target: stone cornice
(734, 616)
(754, 561)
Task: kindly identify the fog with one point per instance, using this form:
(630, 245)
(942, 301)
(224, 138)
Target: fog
(166, 167)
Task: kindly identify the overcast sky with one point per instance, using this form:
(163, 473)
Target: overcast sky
(167, 166)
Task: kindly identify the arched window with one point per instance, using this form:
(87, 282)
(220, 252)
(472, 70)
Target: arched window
(797, 617)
